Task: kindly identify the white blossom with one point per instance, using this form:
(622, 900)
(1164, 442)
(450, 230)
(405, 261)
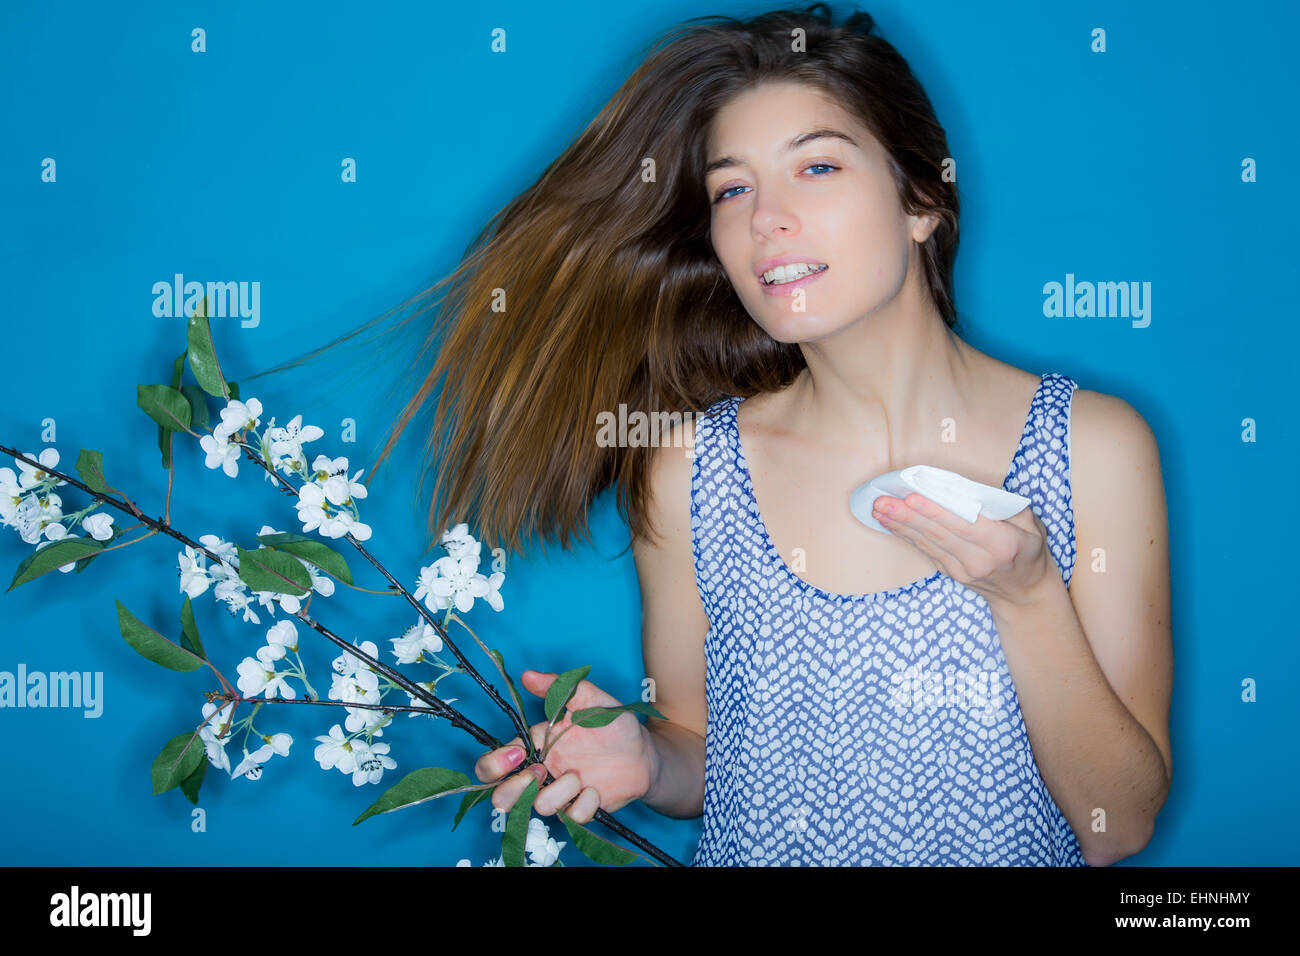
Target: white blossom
(334, 751)
(34, 515)
(99, 525)
(9, 485)
(340, 489)
(233, 592)
(215, 723)
(221, 454)
(426, 592)
(29, 476)
(317, 511)
(361, 687)
(258, 675)
(310, 507)
(194, 574)
(371, 762)
(460, 581)
(251, 766)
(282, 637)
(11, 495)
(420, 637)
(460, 543)
(224, 550)
(344, 523)
(540, 847)
(271, 600)
(493, 596)
(348, 664)
(238, 416)
(285, 445)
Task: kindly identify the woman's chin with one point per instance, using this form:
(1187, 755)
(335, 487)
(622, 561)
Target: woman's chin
(799, 327)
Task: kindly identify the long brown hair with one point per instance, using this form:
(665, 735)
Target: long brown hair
(598, 285)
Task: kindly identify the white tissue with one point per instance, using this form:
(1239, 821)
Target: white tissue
(965, 498)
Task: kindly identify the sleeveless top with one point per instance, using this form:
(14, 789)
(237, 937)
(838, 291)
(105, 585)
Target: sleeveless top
(871, 729)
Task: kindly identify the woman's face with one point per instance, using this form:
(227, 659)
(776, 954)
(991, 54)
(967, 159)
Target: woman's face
(827, 200)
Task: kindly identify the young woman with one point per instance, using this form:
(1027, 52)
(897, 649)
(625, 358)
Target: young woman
(943, 693)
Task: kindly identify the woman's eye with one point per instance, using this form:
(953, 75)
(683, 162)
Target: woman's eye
(723, 194)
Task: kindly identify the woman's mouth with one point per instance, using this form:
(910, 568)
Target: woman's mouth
(784, 287)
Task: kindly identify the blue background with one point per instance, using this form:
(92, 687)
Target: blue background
(225, 166)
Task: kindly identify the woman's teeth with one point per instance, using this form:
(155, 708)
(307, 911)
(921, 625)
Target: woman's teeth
(783, 274)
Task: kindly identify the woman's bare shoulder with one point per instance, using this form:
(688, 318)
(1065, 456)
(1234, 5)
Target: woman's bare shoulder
(1099, 415)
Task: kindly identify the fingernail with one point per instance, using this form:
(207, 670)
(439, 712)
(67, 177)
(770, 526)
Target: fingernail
(514, 755)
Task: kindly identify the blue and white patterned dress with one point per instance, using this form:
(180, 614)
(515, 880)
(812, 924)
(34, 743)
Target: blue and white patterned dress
(872, 729)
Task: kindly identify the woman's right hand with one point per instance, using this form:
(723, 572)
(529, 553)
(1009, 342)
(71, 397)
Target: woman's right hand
(604, 768)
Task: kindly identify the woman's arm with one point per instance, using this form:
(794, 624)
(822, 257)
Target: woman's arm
(1093, 667)
(673, 626)
(677, 781)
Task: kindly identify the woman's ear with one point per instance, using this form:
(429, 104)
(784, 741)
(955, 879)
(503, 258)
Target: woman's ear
(923, 226)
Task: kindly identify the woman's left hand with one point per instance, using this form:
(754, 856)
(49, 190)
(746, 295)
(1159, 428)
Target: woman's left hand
(1004, 561)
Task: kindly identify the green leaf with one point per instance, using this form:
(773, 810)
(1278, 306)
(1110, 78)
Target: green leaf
(562, 688)
(189, 630)
(600, 716)
(53, 556)
(203, 354)
(468, 801)
(164, 434)
(416, 787)
(178, 760)
(178, 369)
(234, 390)
(515, 838)
(198, 406)
(90, 469)
(267, 569)
(595, 848)
(501, 666)
(310, 549)
(167, 406)
(149, 643)
(190, 785)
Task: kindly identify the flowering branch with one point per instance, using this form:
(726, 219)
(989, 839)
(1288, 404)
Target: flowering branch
(285, 568)
(436, 706)
(515, 716)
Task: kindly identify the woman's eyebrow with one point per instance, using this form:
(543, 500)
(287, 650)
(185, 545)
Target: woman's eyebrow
(824, 132)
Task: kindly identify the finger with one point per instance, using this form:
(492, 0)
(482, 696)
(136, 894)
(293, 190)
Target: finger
(495, 764)
(507, 794)
(558, 794)
(538, 683)
(583, 810)
(944, 531)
